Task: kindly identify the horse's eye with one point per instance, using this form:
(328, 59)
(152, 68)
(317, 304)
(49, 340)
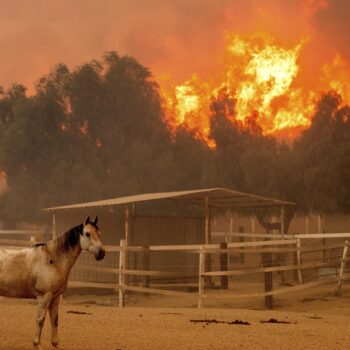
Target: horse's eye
(87, 235)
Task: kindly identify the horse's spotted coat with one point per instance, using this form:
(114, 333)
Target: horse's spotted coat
(42, 271)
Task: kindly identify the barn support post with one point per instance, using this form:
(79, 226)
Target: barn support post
(320, 230)
(230, 229)
(54, 226)
(224, 265)
(282, 221)
(122, 261)
(319, 224)
(252, 222)
(207, 221)
(241, 240)
(208, 281)
(201, 270)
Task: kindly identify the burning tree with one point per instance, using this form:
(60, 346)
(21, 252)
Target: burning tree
(102, 130)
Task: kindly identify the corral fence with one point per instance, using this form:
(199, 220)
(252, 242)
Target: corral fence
(217, 270)
(292, 256)
(17, 239)
(240, 265)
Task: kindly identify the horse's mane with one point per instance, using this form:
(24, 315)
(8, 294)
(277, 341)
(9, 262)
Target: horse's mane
(69, 239)
(39, 245)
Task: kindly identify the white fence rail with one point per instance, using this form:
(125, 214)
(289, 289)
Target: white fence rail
(260, 247)
(18, 239)
(268, 248)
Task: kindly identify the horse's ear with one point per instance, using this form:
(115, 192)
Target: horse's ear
(87, 220)
(95, 221)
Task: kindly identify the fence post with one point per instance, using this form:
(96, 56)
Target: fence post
(295, 262)
(224, 265)
(207, 224)
(342, 267)
(201, 270)
(267, 262)
(145, 265)
(268, 278)
(122, 260)
(241, 239)
(229, 238)
(300, 277)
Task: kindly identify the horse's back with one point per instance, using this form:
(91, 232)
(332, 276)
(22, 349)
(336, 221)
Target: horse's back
(16, 277)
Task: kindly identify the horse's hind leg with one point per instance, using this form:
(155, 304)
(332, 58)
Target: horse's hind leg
(43, 304)
(54, 320)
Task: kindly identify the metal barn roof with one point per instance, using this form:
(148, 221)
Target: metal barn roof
(218, 197)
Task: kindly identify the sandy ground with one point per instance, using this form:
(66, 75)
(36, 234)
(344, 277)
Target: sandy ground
(317, 320)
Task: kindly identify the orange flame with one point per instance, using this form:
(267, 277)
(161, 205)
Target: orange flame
(336, 75)
(267, 75)
(259, 75)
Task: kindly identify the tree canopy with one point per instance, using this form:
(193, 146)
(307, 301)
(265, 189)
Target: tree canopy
(98, 131)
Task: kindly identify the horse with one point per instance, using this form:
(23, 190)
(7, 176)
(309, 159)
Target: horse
(41, 272)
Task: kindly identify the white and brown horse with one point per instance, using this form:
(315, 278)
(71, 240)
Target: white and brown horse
(42, 271)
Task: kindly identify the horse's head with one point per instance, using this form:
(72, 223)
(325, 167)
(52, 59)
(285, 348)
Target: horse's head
(90, 240)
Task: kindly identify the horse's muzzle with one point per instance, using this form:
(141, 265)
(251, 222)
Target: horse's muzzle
(101, 254)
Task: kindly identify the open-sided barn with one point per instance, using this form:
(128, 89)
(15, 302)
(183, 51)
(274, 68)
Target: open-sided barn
(168, 218)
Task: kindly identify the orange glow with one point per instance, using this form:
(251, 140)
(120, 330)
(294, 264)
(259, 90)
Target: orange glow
(337, 76)
(188, 105)
(259, 76)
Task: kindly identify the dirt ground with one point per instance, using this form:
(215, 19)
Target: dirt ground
(315, 320)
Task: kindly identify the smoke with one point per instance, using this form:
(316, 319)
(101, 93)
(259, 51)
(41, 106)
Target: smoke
(174, 37)
(332, 22)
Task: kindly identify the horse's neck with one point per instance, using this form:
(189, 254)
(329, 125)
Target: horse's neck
(68, 259)
(64, 258)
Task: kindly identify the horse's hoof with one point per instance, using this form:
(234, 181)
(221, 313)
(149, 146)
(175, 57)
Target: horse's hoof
(54, 344)
(37, 346)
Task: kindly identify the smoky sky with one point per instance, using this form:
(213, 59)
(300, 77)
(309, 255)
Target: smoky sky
(171, 37)
(333, 23)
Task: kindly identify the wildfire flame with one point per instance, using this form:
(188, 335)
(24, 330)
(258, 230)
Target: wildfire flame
(259, 76)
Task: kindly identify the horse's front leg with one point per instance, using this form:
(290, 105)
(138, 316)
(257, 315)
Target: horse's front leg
(43, 304)
(54, 319)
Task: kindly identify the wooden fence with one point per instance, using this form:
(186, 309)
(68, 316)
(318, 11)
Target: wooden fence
(294, 252)
(343, 276)
(18, 239)
(265, 249)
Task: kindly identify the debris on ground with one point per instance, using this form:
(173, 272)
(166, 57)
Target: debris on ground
(238, 322)
(78, 312)
(315, 317)
(273, 320)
